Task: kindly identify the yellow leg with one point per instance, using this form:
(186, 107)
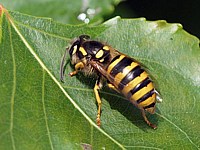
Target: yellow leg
(78, 66)
(112, 87)
(96, 92)
(147, 121)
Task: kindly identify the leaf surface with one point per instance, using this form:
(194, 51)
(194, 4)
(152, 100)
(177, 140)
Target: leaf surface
(39, 112)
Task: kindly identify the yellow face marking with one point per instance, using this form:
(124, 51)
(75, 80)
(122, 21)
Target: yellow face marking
(148, 101)
(114, 63)
(125, 71)
(106, 48)
(74, 49)
(99, 54)
(82, 50)
(134, 82)
(142, 92)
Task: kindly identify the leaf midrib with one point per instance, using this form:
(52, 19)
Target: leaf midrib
(13, 90)
(44, 110)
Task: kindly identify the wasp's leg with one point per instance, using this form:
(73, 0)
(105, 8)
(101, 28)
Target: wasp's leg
(97, 87)
(110, 85)
(147, 121)
(78, 66)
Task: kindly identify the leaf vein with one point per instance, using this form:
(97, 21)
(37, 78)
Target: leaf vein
(44, 110)
(182, 131)
(144, 147)
(13, 91)
(41, 31)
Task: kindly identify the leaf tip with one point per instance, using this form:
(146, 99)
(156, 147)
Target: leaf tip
(176, 27)
(113, 21)
(157, 24)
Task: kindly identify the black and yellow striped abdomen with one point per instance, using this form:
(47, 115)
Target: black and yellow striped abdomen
(132, 81)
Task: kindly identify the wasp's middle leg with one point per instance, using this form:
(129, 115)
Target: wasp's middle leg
(97, 87)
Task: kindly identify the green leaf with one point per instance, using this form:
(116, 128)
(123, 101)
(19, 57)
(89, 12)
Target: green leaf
(65, 11)
(39, 112)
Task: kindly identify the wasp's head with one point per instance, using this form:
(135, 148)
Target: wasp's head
(83, 51)
(73, 53)
(77, 43)
(75, 49)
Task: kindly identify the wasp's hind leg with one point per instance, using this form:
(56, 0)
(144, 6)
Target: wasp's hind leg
(146, 120)
(97, 87)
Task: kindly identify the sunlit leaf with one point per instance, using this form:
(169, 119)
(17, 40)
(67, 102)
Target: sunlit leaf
(37, 111)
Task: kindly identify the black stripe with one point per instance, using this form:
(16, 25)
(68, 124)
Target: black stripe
(106, 55)
(149, 106)
(135, 72)
(120, 66)
(115, 58)
(147, 95)
(106, 58)
(142, 84)
(80, 54)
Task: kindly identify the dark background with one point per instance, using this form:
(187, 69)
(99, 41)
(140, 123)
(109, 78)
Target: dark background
(186, 12)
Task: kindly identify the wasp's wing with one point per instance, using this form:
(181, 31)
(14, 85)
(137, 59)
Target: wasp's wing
(109, 77)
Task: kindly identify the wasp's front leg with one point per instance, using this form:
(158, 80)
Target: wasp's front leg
(78, 66)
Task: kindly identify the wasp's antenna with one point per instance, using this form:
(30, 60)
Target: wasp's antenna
(62, 64)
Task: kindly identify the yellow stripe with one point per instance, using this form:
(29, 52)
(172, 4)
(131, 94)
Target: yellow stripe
(134, 82)
(99, 54)
(106, 48)
(148, 101)
(113, 64)
(82, 50)
(125, 71)
(142, 91)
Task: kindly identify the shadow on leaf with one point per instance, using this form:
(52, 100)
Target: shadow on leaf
(117, 102)
(128, 110)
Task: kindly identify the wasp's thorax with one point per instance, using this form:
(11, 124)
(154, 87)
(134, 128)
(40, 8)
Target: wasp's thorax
(84, 50)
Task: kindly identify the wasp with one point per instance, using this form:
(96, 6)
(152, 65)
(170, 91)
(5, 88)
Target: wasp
(121, 72)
